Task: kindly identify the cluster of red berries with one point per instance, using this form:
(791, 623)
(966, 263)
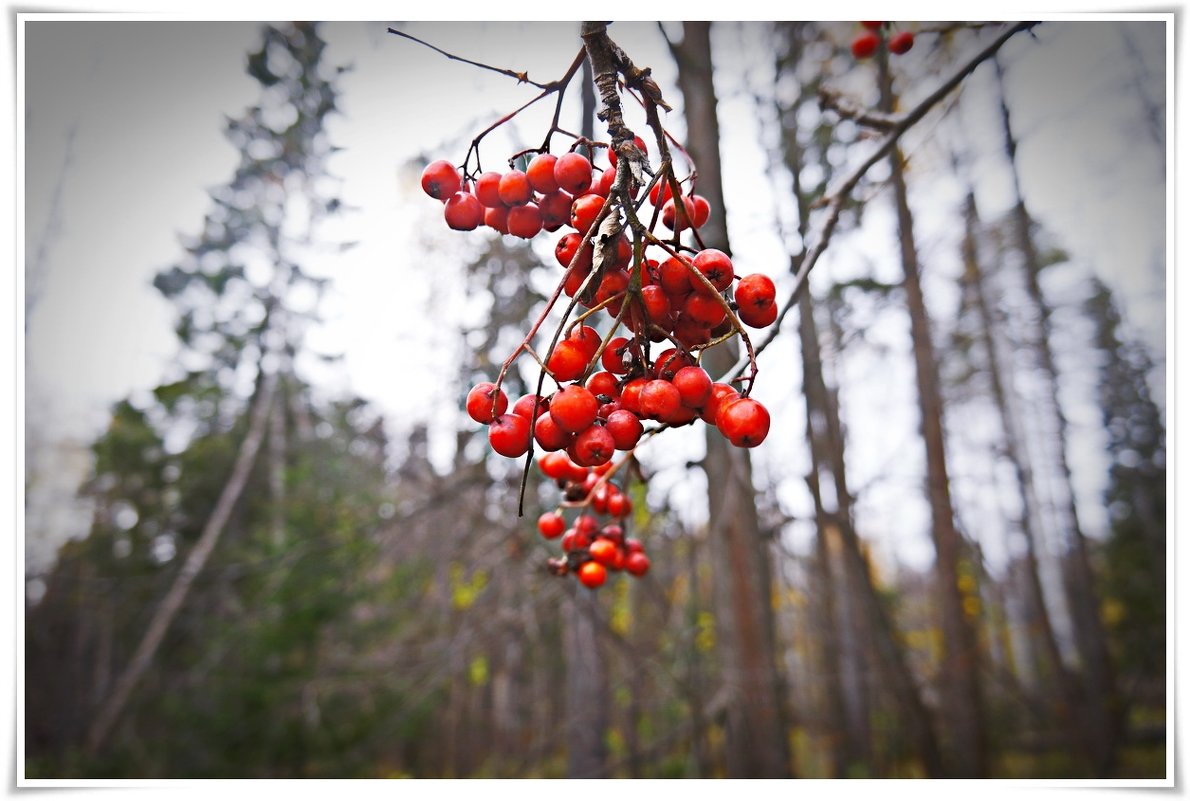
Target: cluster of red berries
(687, 302)
(590, 550)
(866, 44)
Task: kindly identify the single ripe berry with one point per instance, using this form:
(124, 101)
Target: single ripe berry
(720, 394)
(755, 295)
(605, 384)
(660, 193)
(584, 210)
(479, 402)
(555, 210)
(540, 173)
(567, 361)
(700, 210)
(524, 406)
(625, 429)
(716, 266)
(865, 45)
(636, 563)
(524, 221)
(707, 310)
(603, 186)
(615, 355)
(693, 385)
(572, 172)
(659, 400)
(463, 212)
(509, 435)
(745, 422)
(487, 189)
(496, 217)
(549, 435)
(594, 446)
(440, 180)
(675, 276)
(574, 408)
(603, 551)
(587, 338)
(901, 43)
(592, 574)
(515, 189)
(555, 465)
(551, 525)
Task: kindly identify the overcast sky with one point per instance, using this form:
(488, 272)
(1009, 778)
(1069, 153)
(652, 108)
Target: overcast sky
(124, 138)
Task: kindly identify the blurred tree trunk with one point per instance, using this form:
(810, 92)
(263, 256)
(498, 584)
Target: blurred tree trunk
(966, 754)
(757, 742)
(586, 721)
(1102, 700)
(1057, 684)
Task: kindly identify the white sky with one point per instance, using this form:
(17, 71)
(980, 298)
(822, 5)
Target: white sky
(147, 143)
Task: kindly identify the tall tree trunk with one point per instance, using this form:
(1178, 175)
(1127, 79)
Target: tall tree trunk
(757, 743)
(967, 751)
(163, 617)
(1056, 681)
(1102, 701)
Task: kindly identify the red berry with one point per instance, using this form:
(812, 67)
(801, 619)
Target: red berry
(587, 338)
(694, 385)
(603, 186)
(671, 219)
(572, 172)
(656, 304)
(675, 277)
(496, 217)
(901, 43)
(540, 173)
(660, 193)
(509, 435)
(585, 524)
(630, 394)
(440, 180)
(700, 210)
(592, 574)
(524, 221)
(603, 551)
(487, 189)
(670, 362)
(567, 361)
(549, 436)
(551, 525)
(479, 402)
(615, 355)
(515, 189)
(524, 406)
(744, 422)
(594, 446)
(755, 295)
(555, 210)
(555, 465)
(567, 248)
(720, 394)
(659, 399)
(604, 384)
(864, 45)
(636, 563)
(872, 26)
(463, 212)
(584, 210)
(707, 310)
(691, 333)
(574, 408)
(619, 505)
(625, 428)
(716, 266)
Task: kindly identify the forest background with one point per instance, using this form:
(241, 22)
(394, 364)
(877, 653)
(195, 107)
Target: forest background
(901, 553)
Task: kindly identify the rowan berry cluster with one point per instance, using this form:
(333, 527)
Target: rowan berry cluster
(867, 43)
(661, 303)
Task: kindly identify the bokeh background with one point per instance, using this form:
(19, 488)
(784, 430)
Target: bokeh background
(220, 212)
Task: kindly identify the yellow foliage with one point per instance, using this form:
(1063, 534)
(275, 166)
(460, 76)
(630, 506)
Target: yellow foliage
(477, 671)
(704, 640)
(463, 592)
